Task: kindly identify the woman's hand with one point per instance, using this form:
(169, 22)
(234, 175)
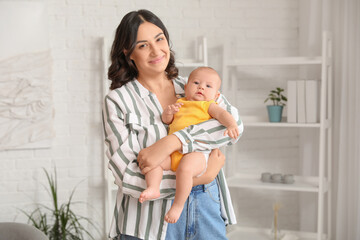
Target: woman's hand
(215, 163)
(153, 155)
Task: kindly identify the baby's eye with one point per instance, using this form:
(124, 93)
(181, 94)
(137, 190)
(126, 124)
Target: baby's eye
(196, 82)
(208, 86)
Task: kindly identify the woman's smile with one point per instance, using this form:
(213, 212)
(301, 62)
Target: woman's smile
(157, 60)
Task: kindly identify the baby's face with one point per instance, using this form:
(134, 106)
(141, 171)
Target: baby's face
(203, 85)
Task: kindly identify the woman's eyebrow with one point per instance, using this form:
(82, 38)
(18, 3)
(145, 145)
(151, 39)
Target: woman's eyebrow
(158, 34)
(142, 41)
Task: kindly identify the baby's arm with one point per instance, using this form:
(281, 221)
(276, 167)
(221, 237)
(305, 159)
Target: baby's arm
(226, 119)
(168, 114)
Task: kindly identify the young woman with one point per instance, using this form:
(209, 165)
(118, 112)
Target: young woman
(144, 81)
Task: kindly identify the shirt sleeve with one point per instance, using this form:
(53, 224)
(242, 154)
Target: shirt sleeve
(209, 134)
(122, 151)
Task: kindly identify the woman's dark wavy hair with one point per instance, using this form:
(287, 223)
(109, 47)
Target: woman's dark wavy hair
(122, 69)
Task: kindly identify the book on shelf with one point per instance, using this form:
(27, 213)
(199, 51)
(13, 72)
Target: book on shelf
(292, 102)
(303, 101)
(312, 101)
(300, 97)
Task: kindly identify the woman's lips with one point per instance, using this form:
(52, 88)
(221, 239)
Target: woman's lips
(157, 60)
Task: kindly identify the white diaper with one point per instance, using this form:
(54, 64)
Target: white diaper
(206, 155)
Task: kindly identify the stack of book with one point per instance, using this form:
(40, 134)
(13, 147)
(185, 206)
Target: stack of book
(303, 101)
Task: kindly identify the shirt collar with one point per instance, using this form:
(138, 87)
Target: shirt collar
(144, 92)
(140, 89)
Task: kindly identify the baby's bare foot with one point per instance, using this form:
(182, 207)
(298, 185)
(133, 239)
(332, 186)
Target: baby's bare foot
(149, 194)
(173, 214)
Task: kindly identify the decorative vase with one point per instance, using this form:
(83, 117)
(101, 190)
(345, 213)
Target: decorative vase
(275, 233)
(274, 113)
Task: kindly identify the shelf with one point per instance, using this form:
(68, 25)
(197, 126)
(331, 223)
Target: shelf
(239, 233)
(282, 124)
(302, 184)
(253, 121)
(275, 61)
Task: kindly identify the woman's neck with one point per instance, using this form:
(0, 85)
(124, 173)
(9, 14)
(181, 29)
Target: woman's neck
(154, 83)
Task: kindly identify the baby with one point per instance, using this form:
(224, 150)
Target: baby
(201, 91)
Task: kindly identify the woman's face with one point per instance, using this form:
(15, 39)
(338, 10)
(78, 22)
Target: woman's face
(151, 53)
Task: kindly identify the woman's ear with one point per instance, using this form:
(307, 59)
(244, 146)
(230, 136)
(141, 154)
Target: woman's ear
(126, 52)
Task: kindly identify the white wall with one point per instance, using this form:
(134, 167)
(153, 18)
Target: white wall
(259, 28)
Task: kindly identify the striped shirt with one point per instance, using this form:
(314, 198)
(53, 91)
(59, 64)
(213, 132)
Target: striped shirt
(132, 121)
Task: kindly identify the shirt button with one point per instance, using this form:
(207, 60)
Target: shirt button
(187, 141)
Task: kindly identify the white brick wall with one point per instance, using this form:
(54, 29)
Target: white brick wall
(259, 27)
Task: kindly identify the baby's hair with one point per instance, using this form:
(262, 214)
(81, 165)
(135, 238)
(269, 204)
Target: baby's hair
(206, 68)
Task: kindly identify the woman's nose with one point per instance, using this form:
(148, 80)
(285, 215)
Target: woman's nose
(154, 49)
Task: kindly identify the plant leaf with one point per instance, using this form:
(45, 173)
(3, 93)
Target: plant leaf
(59, 222)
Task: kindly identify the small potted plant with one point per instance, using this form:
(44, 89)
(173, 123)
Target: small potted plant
(279, 101)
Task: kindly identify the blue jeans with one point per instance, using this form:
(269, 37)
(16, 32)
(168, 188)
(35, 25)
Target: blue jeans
(127, 237)
(201, 218)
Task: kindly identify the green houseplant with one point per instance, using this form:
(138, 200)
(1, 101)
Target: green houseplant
(279, 101)
(59, 222)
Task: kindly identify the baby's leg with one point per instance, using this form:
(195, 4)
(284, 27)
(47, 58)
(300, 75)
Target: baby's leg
(191, 165)
(153, 179)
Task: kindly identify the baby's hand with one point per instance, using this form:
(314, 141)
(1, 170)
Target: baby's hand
(232, 131)
(173, 108)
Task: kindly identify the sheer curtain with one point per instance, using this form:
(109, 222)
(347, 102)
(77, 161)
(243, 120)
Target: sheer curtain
(345, 24)
(342, 18)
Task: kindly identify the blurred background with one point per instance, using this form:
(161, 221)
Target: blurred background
(53, 71)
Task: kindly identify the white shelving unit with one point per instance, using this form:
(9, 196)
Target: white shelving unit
(201, 59)
(319, 185)
(110, 187)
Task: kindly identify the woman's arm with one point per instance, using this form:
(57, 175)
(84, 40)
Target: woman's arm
(123, 148)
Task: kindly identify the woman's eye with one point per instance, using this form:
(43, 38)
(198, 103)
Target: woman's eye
(160, 39)
(142, 45)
